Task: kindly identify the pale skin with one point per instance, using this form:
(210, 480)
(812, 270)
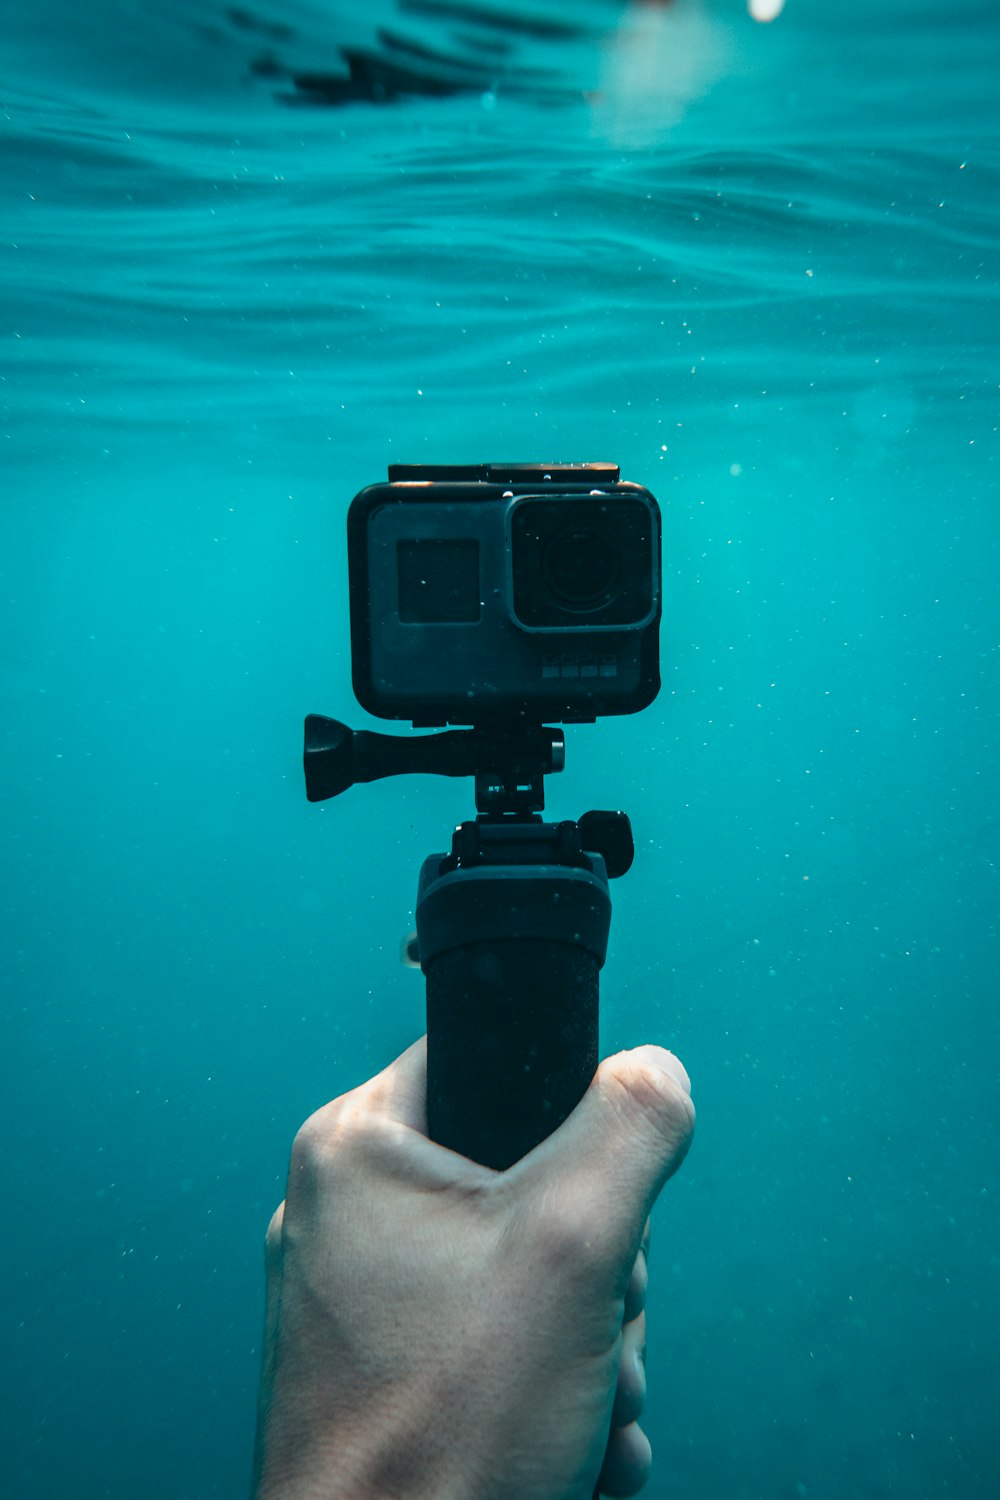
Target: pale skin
(436, 1330)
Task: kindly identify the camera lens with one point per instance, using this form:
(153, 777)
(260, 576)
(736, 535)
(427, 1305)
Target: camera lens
(580, 566)
(581, 562)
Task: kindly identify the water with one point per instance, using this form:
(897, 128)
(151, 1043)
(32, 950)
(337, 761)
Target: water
(757, 266)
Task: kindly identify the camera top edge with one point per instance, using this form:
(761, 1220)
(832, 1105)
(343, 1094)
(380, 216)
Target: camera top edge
(497, 473)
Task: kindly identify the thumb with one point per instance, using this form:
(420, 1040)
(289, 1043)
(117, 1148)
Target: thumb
(603, 1169)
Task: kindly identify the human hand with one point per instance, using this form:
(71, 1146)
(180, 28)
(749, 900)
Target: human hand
(437, 1330)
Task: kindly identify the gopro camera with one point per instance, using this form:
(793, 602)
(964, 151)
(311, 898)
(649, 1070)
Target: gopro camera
(491, 593)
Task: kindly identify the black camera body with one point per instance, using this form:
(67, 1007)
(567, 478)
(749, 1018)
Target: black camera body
(498, 593)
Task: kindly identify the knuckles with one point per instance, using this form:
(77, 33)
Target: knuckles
(307, 1151)
(316, 1142)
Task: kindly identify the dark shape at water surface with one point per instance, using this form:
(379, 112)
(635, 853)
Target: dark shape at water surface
(378, 79)
(482, 49)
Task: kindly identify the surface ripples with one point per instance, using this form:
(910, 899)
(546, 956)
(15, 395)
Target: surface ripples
(166, 234)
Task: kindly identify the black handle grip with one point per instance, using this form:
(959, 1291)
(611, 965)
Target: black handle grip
(511, 956)
(512, 1044)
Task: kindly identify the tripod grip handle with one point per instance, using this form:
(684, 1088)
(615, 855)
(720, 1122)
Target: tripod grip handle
(512, 1041)
(511, 956)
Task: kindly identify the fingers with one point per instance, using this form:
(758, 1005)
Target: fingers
(628, 1457)
(635, 1294)
(627, 1462)
(630, 1393)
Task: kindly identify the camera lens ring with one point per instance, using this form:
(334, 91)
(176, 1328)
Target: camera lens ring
(581, 566)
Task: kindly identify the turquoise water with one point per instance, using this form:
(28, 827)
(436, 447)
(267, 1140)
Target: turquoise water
(757, 266)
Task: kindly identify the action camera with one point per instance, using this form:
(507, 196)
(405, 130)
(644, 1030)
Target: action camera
(491, 593)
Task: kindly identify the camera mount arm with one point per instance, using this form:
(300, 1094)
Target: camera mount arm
(507, 762)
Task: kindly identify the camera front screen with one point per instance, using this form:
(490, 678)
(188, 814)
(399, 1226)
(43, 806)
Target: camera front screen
(438, 581)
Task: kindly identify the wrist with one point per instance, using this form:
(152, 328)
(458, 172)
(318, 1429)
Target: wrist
(372, 1457)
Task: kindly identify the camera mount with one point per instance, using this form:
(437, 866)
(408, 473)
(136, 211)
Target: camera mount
(512, 928)
(508, 764)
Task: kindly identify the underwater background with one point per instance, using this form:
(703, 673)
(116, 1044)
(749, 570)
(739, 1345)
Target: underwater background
(248, 257)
